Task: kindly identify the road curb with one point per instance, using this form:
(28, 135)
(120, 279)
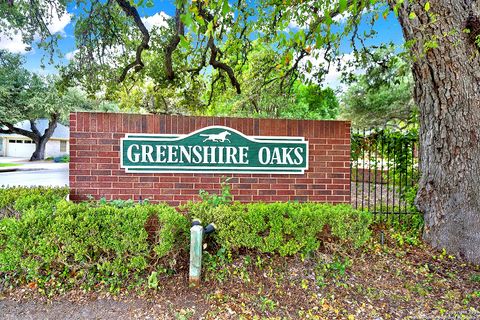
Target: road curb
(8, 169)
(21, 169)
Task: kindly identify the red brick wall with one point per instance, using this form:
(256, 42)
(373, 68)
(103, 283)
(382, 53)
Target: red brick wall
(95, 160)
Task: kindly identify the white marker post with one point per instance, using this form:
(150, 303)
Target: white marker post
(196, 247)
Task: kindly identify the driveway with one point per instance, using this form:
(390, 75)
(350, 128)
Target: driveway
(38, 173)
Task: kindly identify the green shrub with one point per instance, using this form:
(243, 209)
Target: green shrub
(64, 244)
(57, 244)
(284, 228)
(64, 159)
(14, 201)
(213, 200)
(403, 228)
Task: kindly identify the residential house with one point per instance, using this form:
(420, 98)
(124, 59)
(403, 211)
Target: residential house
(15, 145)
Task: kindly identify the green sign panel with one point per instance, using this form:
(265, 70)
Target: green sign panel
(214, 149)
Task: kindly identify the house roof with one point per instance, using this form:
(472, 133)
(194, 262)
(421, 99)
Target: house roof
(61, 131)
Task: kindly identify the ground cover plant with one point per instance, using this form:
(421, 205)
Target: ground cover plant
(314, 266)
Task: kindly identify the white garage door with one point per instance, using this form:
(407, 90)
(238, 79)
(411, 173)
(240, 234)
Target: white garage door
(20, 148)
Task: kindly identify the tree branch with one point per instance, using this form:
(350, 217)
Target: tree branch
(172, 45)
(34, 128)
(311, 31)
(223, 66)
(35, 134)
(138, 63)
(52, 125)
(203, 61)
(211, 90)
(320, 19)
(20, 131)
(216, 64)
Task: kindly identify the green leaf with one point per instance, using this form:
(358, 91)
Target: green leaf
(319, 41)
(209, 28)
(309, 66)
(385, 13)
(427, 6)
(342, 5)
(412, 15)
(225, 8)
(184, 43)
(186, 19)
(149, 3)
(328, 19)
(200, 20)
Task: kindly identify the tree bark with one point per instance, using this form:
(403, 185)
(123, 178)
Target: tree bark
(39, 153)
(446, 70)
(41, 140)
(132, 12)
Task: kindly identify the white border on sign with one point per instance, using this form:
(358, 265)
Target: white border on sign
(164, 169)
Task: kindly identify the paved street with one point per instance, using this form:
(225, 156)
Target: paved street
(36, 173)
(46, 177)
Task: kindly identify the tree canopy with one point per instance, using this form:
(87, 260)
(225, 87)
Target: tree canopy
(382, 96)
(212, 39)
(27, 96)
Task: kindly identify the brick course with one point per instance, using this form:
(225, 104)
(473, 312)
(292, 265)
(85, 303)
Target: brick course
(95, 160)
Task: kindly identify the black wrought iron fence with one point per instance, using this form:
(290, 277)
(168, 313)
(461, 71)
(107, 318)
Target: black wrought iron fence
(384, 171)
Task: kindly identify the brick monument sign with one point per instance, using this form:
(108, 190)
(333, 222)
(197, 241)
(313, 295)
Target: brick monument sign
(170, 158)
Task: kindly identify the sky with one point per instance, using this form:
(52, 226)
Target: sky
(388, 31)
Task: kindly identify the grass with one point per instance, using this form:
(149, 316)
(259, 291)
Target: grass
(3, 165)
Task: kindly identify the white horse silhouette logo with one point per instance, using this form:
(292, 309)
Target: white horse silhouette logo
(218, 137)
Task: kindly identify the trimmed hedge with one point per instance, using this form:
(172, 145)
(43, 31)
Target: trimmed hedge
(284, 228)
(55, 244)
(14, 201)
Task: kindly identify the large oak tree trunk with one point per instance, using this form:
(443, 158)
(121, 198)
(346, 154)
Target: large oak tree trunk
(39, 153)
(41, 140)
(446, 70)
